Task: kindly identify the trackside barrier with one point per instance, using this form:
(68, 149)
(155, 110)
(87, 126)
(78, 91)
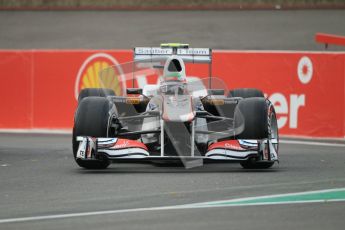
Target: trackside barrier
(39, 87)
(330, 39)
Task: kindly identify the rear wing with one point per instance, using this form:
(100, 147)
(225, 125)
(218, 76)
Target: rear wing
(152, 54)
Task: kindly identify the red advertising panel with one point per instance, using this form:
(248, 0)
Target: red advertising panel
(16, 89)
(306, 88)
(39, 88)
(60, 75)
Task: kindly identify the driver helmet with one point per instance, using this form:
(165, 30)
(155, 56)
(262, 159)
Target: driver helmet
(174, 80)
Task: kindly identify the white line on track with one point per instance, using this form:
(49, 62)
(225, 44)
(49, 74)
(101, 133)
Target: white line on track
(212, 204)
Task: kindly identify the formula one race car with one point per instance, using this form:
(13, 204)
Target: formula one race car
(181, 118)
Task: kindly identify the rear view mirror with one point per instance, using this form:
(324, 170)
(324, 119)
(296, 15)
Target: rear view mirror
(134, 91)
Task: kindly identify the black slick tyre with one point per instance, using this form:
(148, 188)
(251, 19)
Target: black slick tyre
(246, 93)
(95, 92)
(252, 114)
(92, 119)
(259, 119)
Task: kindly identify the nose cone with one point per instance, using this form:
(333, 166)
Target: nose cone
(178, 109)
(174, 69)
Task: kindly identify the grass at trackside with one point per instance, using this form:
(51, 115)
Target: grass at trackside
(159, 3)
(328, 195)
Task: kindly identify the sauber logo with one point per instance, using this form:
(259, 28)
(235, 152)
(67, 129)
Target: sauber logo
(100, 70)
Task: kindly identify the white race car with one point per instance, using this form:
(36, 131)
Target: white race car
(181, 118)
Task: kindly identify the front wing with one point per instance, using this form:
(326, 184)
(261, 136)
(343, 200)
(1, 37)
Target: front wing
(117, 149)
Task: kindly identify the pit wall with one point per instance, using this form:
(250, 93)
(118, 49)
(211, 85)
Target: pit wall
(39, 87)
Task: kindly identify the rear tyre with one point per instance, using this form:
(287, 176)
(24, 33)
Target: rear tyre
(95, 92)
(92, 118)
(246, 93)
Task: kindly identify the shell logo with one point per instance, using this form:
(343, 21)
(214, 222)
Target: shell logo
(100, 70)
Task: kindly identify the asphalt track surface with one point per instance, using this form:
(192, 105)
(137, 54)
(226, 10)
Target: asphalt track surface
(38, 176)
(256, 30)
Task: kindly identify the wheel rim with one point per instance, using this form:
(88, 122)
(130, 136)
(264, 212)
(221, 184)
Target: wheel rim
(273, 129)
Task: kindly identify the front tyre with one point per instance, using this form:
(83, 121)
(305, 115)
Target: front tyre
(253, 164)
(260, 123)
(92, 119)
(251, 114)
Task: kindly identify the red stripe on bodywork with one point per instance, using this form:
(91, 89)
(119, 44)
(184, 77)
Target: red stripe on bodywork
(125, 143)
(229, 144)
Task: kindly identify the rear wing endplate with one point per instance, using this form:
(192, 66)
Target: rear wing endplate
(151, 54)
